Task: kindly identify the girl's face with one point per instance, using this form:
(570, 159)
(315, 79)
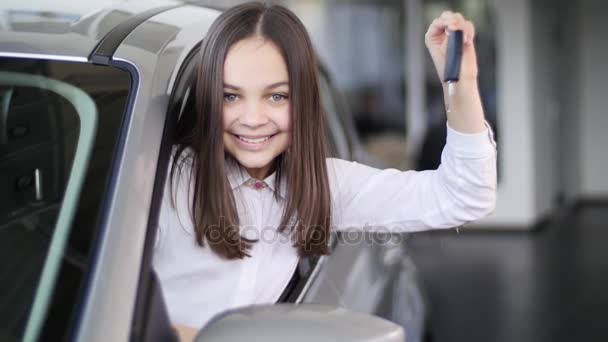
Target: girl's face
(256, 104)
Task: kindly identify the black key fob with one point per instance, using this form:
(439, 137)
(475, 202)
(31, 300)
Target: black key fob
(453, 59)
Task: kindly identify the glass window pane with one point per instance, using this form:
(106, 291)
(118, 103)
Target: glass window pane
(59, 122)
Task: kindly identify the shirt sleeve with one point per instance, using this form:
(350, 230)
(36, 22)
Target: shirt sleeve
(461, 190)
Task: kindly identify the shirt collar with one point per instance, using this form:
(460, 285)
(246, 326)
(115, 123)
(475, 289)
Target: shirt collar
(238, 176)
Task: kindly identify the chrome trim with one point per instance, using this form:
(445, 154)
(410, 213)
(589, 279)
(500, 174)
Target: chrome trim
(38, 184)
(183, 106)
(126, 61)
(44, 56)
(311, 279)
(4, 108)
(333, 242)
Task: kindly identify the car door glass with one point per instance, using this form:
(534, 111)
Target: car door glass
(84, 107)
(53, 142)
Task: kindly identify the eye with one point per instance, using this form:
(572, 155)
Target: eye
(278, 97)
(230, 97)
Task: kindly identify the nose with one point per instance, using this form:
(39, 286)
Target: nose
(253, 115)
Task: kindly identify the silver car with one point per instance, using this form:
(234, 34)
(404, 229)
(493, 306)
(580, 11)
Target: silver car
(89, 100)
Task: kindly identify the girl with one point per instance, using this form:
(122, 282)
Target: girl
(251, 189)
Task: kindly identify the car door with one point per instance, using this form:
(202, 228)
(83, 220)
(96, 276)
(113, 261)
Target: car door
(366, 272)
(151, 321)
(60, 123)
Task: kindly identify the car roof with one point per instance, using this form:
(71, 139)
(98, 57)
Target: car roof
(48, 28)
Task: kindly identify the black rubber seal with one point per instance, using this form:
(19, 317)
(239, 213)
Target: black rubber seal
(103, 52)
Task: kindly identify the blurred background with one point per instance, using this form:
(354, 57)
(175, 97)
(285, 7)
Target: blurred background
(537, 268)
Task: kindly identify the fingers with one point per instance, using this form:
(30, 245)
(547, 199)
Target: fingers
(437, 28)
(469, 32)
(451, 21)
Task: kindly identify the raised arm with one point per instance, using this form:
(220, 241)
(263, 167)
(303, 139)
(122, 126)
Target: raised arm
(461, 190)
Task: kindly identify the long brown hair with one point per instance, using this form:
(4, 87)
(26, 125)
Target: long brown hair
(307, 213)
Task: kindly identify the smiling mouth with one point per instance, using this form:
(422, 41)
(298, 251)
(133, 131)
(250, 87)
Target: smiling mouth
(258, 140)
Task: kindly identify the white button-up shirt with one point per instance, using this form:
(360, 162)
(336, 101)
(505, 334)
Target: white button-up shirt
(197, 283)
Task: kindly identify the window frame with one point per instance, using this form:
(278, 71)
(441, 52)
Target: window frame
(149, 302)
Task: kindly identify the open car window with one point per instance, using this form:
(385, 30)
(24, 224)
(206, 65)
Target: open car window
(59, 123)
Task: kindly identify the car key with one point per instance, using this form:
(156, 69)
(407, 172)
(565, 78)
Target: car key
(453, 59)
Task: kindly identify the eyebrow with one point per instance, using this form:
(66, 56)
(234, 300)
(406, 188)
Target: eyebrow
(270, 86)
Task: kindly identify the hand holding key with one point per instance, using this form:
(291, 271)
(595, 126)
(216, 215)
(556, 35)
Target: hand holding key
(436, 40)
(449, 40)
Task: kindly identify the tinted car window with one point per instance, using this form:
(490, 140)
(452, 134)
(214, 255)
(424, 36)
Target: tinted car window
(59, 127)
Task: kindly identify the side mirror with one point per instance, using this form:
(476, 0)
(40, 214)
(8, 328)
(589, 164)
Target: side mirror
(302, 322)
